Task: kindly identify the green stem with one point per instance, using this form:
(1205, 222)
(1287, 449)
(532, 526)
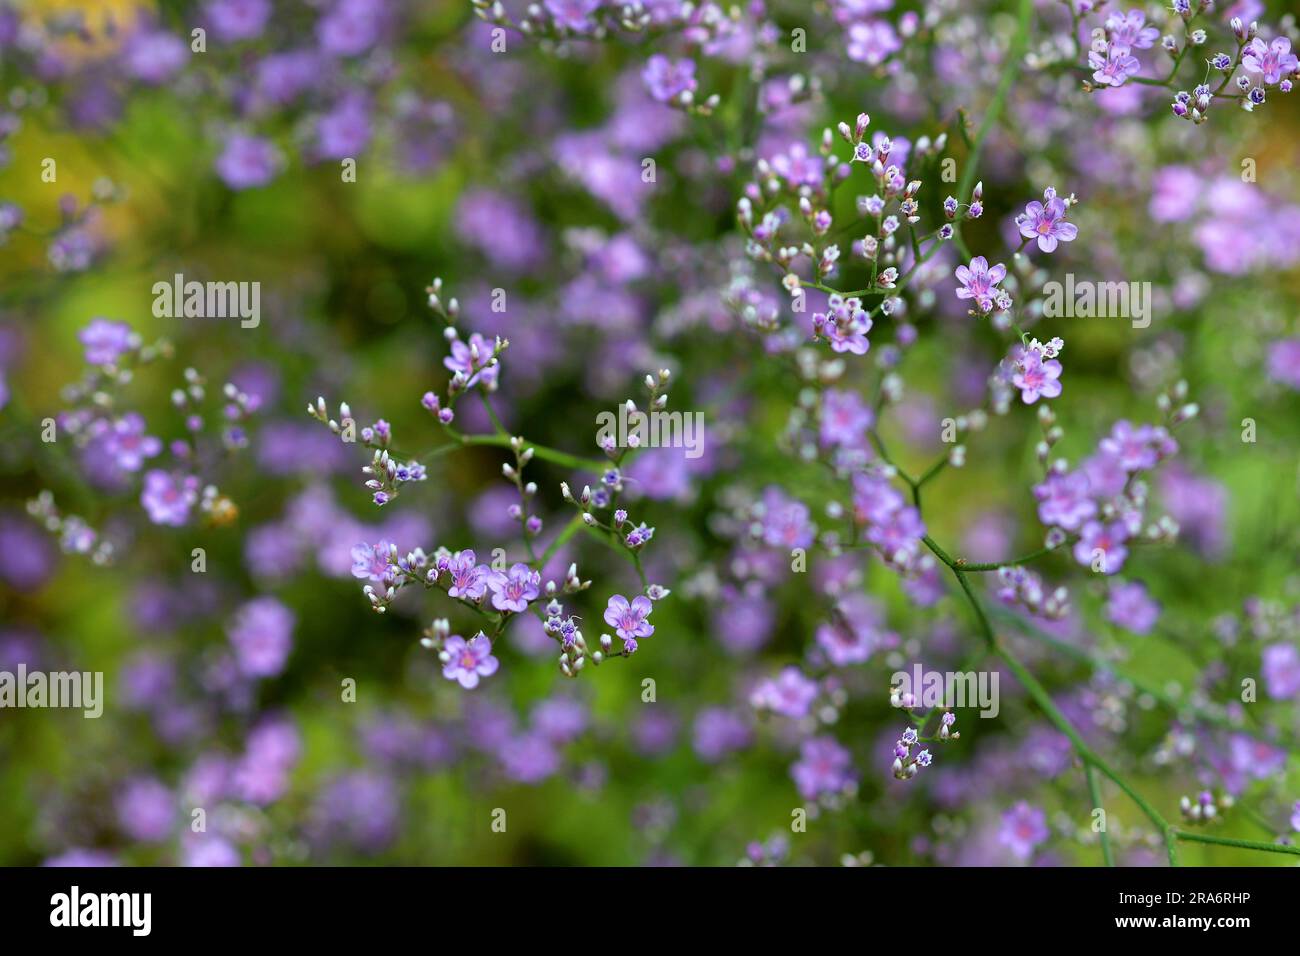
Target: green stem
(1086, 753)
(541, 451)
(994, 565)
(1094, 792)
(1242, 844)
(573, 527)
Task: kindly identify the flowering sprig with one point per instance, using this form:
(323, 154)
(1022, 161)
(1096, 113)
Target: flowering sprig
(1254, 65)
(115, 446)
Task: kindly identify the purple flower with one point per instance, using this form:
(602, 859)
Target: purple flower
(371, 562)
(146, 810)
(560, 719)
(717, 732)
(513, 590)
(1281, 663)
(248, 161)
(469, 579)
(899, 535)
(1174, 190)
(1023, 829)
(1108, 539)
(472, 360)
(791, 694)
(845, 418)
(1046, 223)
(206, 850)
(798, 167)
(1113, 67)
(344, 131)
(467, 661)
(573, 14)
(1133, 448)
(168, 498)
(1284, 362)
(262, 636)
(824, 767)
(283, 77)
(854, 633)
(360, 809)
(629, 620)
(234, 20)
(1274, 60)
(872, 42)
(82, 858)
(1106, 476)
(154, 57)
(667, 79)
(1036, 377)
(126, 443)
(106, 341)
(845, 327)
(351, 27)
(529, 758)
(501, 229)
(979, 282)
(874, 499)
(1129, 30)
(785, 521)
(1063, 500)
(1131, 607)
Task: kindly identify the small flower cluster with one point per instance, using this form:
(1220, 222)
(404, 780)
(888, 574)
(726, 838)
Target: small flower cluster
(1034, 369)
(1251, 68)
(464, 661)
(385, 474)
(1103, 500)
(1019, 586)
(892, 525)
(114, 445)
(74, 534)
(906, 764)
(1045, 221)
(1205, 808)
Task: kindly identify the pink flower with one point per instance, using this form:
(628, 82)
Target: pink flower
(1132, 447)
(1274, 60)
(1130, 30)
(790, 695)
(1023, 828)
(467, 661)
(667, 79)
(168, 498)
(872, 42)
(469, 579)
(1064, 500)
(513, 590)
(629, 620)
(1035, 377)
(1284, 362)
(1108, 539)
(979, 282)
(823, 767)
(1114, 67)
(370, 562)
(1046, 223)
